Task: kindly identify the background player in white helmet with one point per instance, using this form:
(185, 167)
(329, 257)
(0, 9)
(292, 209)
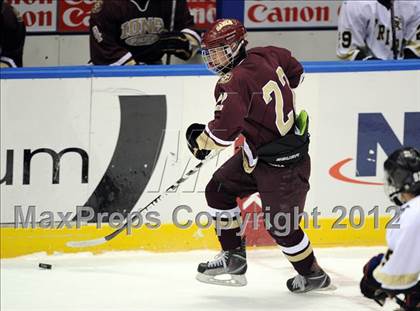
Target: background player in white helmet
(365, 30)
(397, 272)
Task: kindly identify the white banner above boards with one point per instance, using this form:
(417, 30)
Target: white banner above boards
(291, 14)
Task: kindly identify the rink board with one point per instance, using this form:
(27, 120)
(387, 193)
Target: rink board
(112, 139)
(168, 238)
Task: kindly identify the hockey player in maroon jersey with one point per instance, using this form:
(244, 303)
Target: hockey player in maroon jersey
(12, 36)
(129, 32)
(254, 97)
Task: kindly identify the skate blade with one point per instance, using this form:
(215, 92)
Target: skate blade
(330, 287)
(235, 280)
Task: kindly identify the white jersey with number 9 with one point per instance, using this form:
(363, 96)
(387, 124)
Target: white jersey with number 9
(364, 29)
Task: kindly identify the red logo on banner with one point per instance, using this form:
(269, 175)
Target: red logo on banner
(291, 14)
(260, 13)
(203, 11)
(74, 15)
(38, 15)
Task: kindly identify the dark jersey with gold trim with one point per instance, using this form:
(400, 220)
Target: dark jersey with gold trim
(256, 99)
(125, 30)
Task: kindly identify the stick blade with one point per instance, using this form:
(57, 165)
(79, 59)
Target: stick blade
(86, 243)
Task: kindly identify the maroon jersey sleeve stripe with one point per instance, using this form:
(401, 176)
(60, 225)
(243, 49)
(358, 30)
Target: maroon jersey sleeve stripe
(218, 141)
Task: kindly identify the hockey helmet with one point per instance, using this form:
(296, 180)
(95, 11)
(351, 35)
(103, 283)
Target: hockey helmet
(402, 174)
(222, 45)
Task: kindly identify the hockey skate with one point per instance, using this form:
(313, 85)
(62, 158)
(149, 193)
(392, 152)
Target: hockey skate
(228, 268)
(315, 281)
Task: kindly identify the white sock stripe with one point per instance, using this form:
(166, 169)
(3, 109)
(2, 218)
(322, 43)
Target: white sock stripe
(223, 213)
(291, 250)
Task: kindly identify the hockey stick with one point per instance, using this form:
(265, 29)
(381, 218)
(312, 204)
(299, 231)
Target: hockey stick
(394, 32)
(383, 296)
(400, 302)
(171, 28)
(184, 177)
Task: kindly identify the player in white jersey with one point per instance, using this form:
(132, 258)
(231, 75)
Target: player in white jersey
(397, 272)
(365, 30)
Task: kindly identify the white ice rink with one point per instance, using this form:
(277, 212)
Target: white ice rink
(137, 281)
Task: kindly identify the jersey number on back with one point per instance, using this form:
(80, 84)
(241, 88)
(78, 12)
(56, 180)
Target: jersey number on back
(273, 87)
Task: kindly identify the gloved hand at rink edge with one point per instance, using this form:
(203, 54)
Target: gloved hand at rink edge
(369, 287)
(193, 131)
(176, 43)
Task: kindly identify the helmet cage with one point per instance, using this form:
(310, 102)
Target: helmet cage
(399, 180)
(220, 59)
(392, 191)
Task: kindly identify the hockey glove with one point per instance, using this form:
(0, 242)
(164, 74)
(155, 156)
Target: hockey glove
(386, 3)
(409, 54)
(176, 43)
(193, 131)
(364, 54)
(369, 287)
(371, 58)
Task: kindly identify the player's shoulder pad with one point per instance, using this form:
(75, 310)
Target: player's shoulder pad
(226, 78)
(97, 6)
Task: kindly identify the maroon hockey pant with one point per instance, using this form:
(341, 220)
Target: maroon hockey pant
(282, 190)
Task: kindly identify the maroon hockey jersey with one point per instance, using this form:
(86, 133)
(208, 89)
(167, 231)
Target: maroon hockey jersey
(126, 30)
(12, 36)
(255, 99)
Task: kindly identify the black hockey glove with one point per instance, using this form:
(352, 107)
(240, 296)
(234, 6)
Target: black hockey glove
(369, 287)
(175, 43)
(386, 3)
(363, 54)
(193, 131)
(409, 54)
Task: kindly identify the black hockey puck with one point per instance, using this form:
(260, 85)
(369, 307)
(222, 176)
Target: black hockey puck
(45, 266)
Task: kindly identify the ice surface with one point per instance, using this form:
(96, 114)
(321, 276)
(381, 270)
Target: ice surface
(137, 281)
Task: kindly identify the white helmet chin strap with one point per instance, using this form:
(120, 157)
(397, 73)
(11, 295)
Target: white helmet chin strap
(236, 52)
